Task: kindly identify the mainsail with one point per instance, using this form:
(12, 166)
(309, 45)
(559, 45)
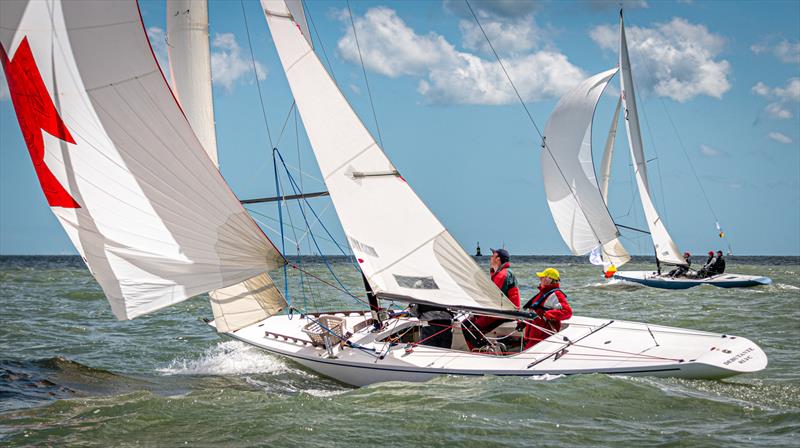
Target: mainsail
(666, 249)
(402, 249)
(575, 201)
(190, 67)
(117, 159)
(256, 298)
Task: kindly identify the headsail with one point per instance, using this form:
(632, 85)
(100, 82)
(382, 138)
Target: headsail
(402, 249)
(149, 212)
(257, 298)
(573, 195)
(666, 249)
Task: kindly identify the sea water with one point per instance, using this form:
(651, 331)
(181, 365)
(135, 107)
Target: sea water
(72, 375)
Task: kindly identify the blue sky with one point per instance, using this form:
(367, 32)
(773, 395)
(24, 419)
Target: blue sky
(727, 74)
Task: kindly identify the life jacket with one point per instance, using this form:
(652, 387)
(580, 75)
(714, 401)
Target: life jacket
(505, 280)
(547, 301)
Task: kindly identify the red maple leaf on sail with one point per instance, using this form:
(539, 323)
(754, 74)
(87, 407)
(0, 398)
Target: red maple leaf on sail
(36, 113)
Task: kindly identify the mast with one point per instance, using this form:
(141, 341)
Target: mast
(666, 249)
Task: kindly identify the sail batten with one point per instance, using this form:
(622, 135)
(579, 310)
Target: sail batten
(152, 217)
(400, 245)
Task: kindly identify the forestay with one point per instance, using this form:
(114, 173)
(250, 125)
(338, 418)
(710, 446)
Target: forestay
(666, 249)
(118, 162)
(573, 195)
(401, 247)
(257, 298)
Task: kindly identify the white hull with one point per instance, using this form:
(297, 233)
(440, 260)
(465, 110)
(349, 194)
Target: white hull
(597, 346)
(649, 278)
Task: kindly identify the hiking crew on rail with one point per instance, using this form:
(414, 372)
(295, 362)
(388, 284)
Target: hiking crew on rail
(551, 307)
(476, 327)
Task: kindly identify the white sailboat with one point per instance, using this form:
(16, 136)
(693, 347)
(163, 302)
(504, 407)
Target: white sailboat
(578, 202)
(139, 194)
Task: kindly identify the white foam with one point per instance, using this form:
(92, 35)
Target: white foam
(546, 377)
(227, 358)
(785, 286)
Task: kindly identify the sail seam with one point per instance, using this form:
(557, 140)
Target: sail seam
(108, 25)
(123, 81)
(357, 155)
(303, 56)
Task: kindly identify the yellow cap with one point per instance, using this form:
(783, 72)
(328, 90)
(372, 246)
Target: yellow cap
(551, 273)
(612, 268)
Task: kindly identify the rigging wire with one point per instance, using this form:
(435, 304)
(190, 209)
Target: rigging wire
(255, 74)
(530, 117)
(321, 45)
(363, 69)
(649, 70)
(657, 159)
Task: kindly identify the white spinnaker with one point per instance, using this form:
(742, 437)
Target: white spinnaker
(568, 170)
(190, 67)
(401, 247)
(666, 249)
(157, 223)
(613, 251)
(608, 153)
(257, 298)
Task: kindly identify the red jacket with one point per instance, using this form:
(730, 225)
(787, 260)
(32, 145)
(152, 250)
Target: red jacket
(505, 280)
(546, 309)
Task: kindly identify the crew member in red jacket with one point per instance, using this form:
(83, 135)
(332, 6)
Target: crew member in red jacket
(550, 306)
(477, 326)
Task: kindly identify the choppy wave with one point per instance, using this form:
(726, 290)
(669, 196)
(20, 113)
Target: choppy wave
(227, 358)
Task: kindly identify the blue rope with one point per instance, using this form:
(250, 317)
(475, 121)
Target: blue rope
(296, 190)
(283, 240)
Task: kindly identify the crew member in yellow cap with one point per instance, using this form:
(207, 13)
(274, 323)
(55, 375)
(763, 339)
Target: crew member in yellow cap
(550, 306)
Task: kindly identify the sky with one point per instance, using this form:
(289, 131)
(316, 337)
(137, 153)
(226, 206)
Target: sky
(718, 92)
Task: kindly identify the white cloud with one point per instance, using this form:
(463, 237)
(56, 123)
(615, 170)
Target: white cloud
(496, 8)
(472, 80)
(776, 110)
(676, 59)
(509, 37)
(785, 51)
(228, 65)
(708, 151)
(390, 47)
(615, 4)
(449, 76)
(158, 40)
(785, 98)
(780, 138)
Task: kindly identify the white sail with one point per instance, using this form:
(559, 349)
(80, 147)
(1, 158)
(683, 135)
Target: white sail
(666, 249)
(402, 249)
(568, 170)
(608, 153)
(257, 298)
(245, 303)
(613, 251)
(118, 162)
(190, 67)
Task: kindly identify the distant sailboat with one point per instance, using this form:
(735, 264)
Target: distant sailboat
(578, 202)
(139, 194)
